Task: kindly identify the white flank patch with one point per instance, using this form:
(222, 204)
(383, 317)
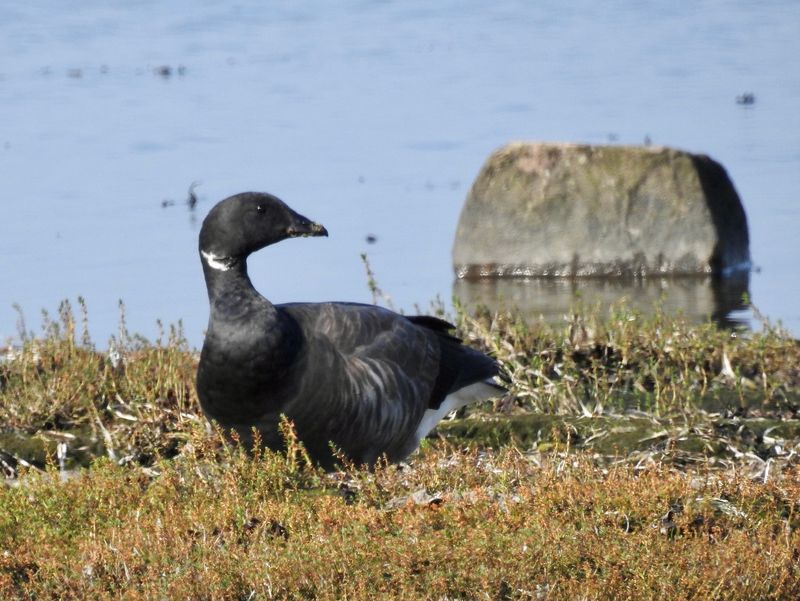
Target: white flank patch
(474, 393)
(214, 262)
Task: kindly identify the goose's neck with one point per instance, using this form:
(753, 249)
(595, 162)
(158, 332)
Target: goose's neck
(230, 292)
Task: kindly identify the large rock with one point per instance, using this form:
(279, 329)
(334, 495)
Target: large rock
(582, 210)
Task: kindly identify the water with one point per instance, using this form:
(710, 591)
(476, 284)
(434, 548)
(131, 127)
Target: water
(370, 117)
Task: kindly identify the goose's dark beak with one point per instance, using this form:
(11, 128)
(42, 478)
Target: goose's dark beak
(303, 227)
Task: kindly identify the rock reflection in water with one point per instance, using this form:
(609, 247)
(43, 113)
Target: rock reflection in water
(697, 298)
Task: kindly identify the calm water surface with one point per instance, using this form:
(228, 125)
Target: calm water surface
(370, 117)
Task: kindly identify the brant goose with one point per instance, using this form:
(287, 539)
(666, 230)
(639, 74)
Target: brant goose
(358, 378)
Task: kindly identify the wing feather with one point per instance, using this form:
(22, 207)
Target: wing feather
(368, 375)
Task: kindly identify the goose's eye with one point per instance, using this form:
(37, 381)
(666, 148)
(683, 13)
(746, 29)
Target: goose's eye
(260, 209)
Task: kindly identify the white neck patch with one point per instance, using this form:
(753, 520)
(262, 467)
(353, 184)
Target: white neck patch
(216, 262)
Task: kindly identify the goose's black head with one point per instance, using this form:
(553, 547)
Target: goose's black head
(247, 222)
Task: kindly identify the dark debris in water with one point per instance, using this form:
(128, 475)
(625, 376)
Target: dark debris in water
(167, 71)
(163, 71)
(190, 201)
(746, 99)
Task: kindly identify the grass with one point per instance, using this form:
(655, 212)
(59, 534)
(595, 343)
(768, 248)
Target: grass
(635, 457)
(456, 525)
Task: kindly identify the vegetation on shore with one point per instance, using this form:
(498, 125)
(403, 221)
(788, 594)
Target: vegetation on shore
(635, 457)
